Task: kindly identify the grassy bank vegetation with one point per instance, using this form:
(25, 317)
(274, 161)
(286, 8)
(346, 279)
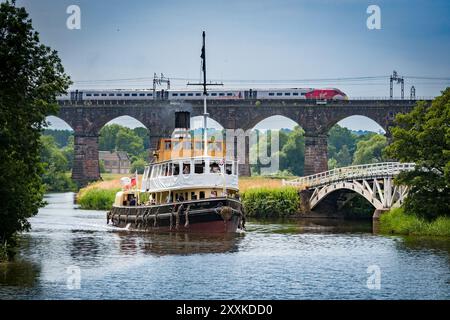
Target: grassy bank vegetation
(100, 195)
(397, 221)
(97, 199)
(271, 203)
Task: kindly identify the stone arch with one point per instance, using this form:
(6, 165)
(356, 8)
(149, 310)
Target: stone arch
(197, 122)
(379, 118)
(120, 161)
(275, 122)
(58, 123)
(365, 123)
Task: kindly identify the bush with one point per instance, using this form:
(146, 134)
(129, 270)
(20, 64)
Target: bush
(97, 199)
(271, 203)
(399, 222)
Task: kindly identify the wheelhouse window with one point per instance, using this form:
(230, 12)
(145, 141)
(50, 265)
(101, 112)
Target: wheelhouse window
(193, 196)
(186, 167)
(199, 166)
(229, 168)
(176, 169)
(202, 194)
(214, 167)
(167, 145)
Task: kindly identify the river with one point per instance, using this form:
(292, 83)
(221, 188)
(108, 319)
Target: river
(73, 254)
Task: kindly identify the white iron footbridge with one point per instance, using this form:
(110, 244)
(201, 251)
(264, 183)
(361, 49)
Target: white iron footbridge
(372, 181)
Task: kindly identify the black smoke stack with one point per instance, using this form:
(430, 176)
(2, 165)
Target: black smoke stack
(183, 120)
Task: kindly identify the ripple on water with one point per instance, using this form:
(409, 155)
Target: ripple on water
(272, 260)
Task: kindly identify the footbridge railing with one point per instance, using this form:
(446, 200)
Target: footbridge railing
(364, 171)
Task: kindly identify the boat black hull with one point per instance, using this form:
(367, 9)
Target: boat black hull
(219, 215)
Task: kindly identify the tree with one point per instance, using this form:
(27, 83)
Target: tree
(31, 76)
(423, 136)
(139, 166)
(371, 150)
(127, 141)
(55, 165)
(107, 139)
(292, 153)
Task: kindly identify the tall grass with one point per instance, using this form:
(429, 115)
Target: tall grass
(97, 199)
(398, 222)
(271, 203)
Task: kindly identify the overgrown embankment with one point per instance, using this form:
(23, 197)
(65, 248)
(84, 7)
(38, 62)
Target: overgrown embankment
(271, 203)
(397, 221)
(262, 197)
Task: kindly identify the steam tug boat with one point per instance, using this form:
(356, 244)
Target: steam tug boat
(183, 190)
(191, 185)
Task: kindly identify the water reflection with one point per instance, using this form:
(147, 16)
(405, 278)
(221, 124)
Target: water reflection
(315, 225)
(177, 243)
(87, 246)
(274, 259)
(19, 273)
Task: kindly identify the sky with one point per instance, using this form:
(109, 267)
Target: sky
(297, 42)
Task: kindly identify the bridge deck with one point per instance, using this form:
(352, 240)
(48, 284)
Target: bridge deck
(364, 171)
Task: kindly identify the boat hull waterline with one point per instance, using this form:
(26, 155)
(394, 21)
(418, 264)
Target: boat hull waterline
(221, 215)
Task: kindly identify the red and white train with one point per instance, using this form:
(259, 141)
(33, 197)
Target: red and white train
(217, 94)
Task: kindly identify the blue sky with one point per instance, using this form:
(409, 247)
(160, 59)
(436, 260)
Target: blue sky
(251, 40)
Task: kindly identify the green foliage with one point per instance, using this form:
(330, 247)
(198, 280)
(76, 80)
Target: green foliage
(423, 136)
(62, 137)
(271, 203)
(101, 165)
(292, 152)
(398, 222)
(55, 166)
(97, 199)
(139, 166)
(31, 76)
(343, 144)
(133, 141)
(143, 134)
(371, 150)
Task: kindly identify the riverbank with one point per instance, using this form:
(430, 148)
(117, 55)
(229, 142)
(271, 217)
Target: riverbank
(100, 195)
(397, 221)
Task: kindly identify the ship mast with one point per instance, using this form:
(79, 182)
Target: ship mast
(205, 94)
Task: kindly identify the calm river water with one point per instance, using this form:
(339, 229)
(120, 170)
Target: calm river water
(73, 254)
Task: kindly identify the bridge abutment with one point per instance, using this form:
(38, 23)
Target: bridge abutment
(378, 212)
(316, 153)
(85, 164)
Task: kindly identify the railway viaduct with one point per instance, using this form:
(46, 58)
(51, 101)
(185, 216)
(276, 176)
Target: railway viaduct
(87, 118)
